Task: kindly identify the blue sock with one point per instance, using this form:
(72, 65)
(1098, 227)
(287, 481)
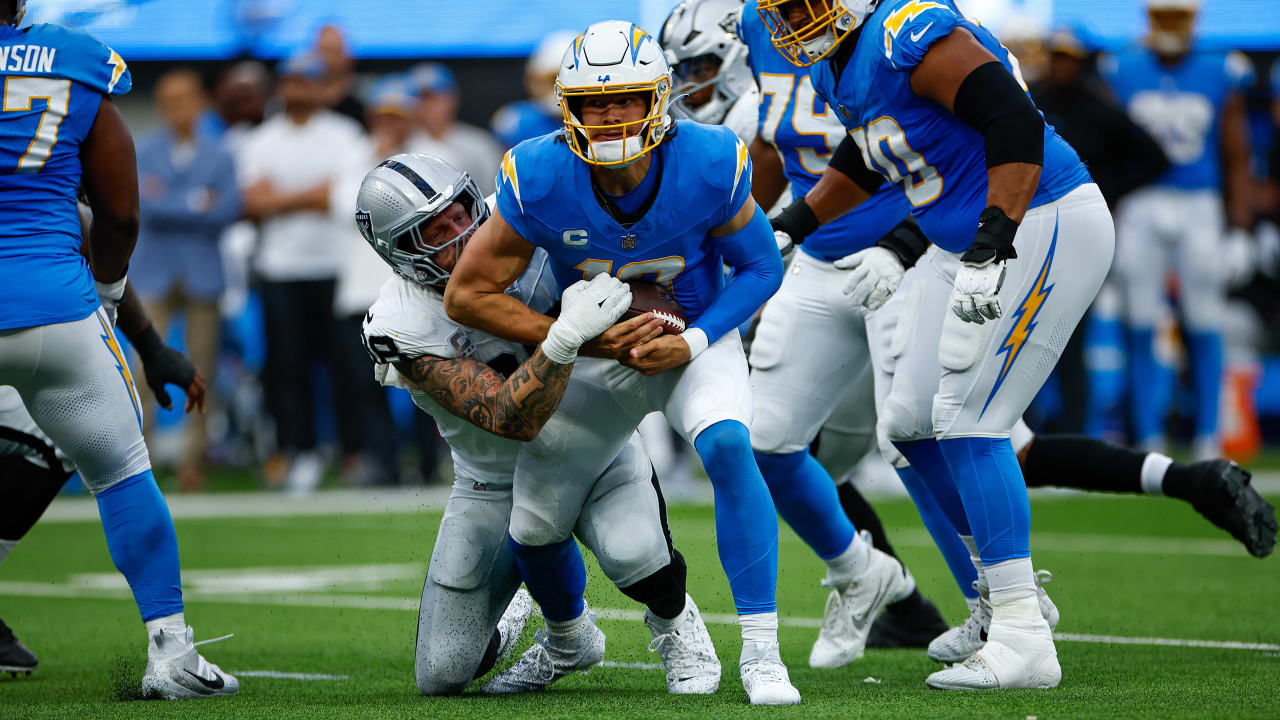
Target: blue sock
(1206, 379)
(927, 459)
(807, 499)
(142, 543)
(1149, 386)
(990, 480)
(555, 576)
(940, 529)
(746, 523)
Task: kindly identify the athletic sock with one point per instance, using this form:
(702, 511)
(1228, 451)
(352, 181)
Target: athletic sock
(662, 591)
(989, 479)
(1205, 350)
(1084, 463)
(1155, 471)
(142, 544)
(759, 627)
(1148, 391)
(555, 576)
(746, 522)
(930, 464)
(175, 624)
(1013, 589)
(807, 500)
(941, 530)
(850, 564)
(569, 627)
(863, 516)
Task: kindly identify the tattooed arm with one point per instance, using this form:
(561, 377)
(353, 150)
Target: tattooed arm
(515, 408)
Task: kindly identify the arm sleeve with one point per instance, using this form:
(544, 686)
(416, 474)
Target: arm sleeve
(757, 275)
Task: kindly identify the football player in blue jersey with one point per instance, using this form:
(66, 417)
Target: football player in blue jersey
(935, 104)
(627, 190)
(526, 119)
(1192, 102)
(58, 128)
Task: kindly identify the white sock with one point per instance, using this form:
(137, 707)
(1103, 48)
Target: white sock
(1013, 588)
(662, 624)
(567, 628)
(175, 624)
(843, 568)
(1154, 466)
(6, 547)
(759, 627)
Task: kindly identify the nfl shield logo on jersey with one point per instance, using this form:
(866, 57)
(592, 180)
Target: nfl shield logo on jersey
(628, 242)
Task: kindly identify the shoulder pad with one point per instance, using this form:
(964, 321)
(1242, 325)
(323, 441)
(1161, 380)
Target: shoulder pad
(83, 58)
(721, 154)
(407, 321)
(911, 29)
(532, 168)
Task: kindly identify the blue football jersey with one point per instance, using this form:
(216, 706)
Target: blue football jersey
(939, 161)
(545, 194)
(523, 120)
(805, 132)
(1181, 106)
(53, 78)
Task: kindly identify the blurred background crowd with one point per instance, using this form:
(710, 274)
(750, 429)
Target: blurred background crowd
(256, 121)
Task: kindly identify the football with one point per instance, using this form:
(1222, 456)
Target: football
(655, 299)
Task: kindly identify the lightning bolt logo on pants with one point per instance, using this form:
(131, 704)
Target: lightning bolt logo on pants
(1024, 320)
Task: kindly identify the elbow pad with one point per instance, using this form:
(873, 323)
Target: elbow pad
(848, 160)
(991, 102)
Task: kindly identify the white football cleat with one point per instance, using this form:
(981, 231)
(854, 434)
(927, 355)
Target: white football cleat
(852, 609)
(176, 671)
(512, 622)
(686, 652)
(1016, 655)
(550, 659)
(764, 677)
(959, 643)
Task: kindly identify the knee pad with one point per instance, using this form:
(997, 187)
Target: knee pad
(463, 554)
(888, 450)
(533, 530)
(901, 422)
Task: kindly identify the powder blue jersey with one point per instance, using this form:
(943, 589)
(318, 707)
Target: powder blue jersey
(1181, 106)
(545, 194)
(523, 120)
(939, 161)
(53, 79)
(806, 131)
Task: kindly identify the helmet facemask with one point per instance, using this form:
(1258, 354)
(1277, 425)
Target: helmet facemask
(829, 22)
(619, 153)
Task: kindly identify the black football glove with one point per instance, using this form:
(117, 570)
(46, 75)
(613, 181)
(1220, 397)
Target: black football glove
(163, 365)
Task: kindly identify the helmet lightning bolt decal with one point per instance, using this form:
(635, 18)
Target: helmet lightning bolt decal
(1024, 320)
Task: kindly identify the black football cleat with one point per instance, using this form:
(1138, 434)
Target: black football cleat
(908, 623)
(1220, 491)
(14, 656)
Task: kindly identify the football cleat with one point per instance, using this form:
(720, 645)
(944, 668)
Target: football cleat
(176, 671)
(764, 677)
(14, 656)
(1017, 655)
(550, 659)
(910, 623)
(1224, 495)
(512, 622)
(686, 652)
(852, 609)
(961, 642)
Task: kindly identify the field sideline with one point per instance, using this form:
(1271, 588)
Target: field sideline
(1163, 616)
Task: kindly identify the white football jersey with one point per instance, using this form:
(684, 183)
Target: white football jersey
(409, 321)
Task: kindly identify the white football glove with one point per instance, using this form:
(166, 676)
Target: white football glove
(877, 272)
(587, 308)
(974, 295)
(110, 295)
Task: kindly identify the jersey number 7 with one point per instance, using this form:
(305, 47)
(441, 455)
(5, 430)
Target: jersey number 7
(19, 96)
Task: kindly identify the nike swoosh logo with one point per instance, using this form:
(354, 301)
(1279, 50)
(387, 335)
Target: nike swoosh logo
(215, 684)
(982, 633)
(915, 36)
(866, 619)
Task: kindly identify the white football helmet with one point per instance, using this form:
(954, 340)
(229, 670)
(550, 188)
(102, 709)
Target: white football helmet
(829, 22)
(403, 194)
(702, 32)
(615, 57)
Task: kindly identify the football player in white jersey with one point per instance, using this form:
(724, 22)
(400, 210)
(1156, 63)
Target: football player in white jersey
(487, 396)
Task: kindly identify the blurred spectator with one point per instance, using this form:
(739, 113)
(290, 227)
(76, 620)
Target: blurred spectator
(464, 146)
(540, 114)
(239, 103)
(287, 167)
(188, 196)
(339, 83)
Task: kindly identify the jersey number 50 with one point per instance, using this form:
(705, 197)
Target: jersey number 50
(19, 93)
(663, 270)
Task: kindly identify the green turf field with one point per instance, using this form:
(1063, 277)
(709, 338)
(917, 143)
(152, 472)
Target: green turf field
(336, 595)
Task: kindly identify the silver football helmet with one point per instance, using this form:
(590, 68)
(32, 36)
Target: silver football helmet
(400, 197)
(701, 32)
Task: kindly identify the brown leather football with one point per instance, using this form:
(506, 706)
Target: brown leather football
(647, 297)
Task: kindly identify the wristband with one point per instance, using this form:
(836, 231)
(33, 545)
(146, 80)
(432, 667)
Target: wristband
(906, 242)
(696, 339)
(797, 220)
(557, 348)
(994, 241)
(147, 343)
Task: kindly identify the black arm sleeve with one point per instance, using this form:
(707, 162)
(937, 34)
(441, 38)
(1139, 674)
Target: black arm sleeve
(848, 160)
(990, 101)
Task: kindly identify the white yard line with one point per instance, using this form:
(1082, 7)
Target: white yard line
(630, 666)
(276, 675)
(370, 602)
